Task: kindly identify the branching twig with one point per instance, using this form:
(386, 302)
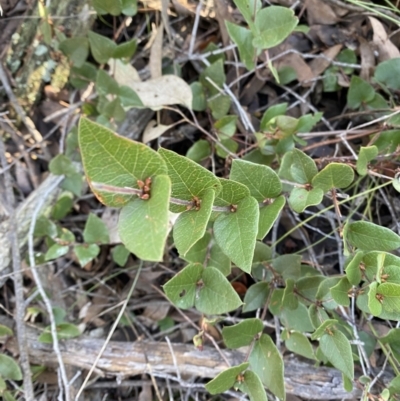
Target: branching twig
(18, 282)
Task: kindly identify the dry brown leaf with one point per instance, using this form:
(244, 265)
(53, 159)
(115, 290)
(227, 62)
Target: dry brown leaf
(153, 131)
(163, 91)
(319, 12)
(319, 65)
(156, 312)
(367, 59)
(304, 73)
(386, 49)
(155, 62)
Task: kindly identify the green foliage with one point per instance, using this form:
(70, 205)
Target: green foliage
(222, 221)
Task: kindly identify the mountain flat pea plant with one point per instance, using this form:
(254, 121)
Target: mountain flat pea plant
(223, 222)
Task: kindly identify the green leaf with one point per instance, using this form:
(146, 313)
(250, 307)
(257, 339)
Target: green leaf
(303, 168)
(322, 329)
(101, 47)
(274, 24)
(143, 224)
(219, 260)
(268, 216)
(366, 155)
(129, 7)
(189, 180)
(105, 84)
(199, 251)
(270, 115)
(289, 299)
(62, 165)
(96, 231)
(340, 292)
(126, 49)
(86, 253)
(120, 255)
(63, 205)
(219, 106)
(181, 289)
(5, 331)
(8, 396)
(191, 225)
(317, 315)
(110, 110)
(107, 7)
(56, 251)
(216, 294)
(266, 361)
(231, 193)
(369, 237)
(73, 183)
(384, 73)
(337, 349)
(199, 102)
(9, 369)
(307, 122)
(247, 8)
(226, 379)
(334, 175)
(199, 151)
(129, 98)
(353, 271)
(256, 296)
(127, 161)
(262, 181)
(360, 92)
(243, 38)
(300, 345)
(44, 226)
(251, 385)
(215, 73)
(288, 266)
(373, 304)
(76, 49)
(242, 334)
(65, 331)
(301, 198)
(236, 232)
(296, 319)
(391, 296)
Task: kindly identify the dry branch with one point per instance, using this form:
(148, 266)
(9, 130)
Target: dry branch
(124, 359)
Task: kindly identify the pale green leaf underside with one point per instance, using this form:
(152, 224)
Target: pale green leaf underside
(252, 386)
(143, 224)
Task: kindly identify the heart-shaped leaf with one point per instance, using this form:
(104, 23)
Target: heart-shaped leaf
(241, 334)
(300, 198)
(334, 175)
(191, 225)
(143, 224)
(262, 181)
(268, 216)
(236, 232)
(111, 159)
(226, 379)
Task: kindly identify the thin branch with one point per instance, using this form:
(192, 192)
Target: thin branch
(36, 276)
(18, 281)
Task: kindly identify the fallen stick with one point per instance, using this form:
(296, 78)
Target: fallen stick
(124, 359)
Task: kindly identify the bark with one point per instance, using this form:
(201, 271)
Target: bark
(124, 359)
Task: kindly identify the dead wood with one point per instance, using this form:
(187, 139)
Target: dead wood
(124, 359)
